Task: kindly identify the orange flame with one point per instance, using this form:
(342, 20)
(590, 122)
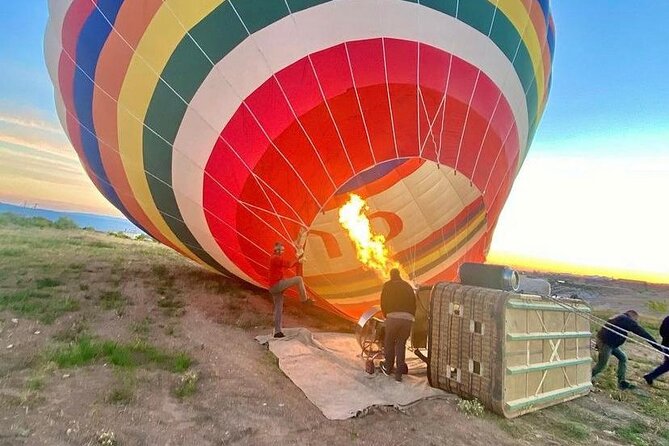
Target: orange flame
(370, 248)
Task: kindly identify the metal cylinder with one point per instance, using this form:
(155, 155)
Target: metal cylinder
(497, 277)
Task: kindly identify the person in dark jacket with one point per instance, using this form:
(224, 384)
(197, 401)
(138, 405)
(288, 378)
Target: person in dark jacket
(611, 337)
(664, 367)
(398, 305)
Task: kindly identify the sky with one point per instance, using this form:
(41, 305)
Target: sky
(589, 199)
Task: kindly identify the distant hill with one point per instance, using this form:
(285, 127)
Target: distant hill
(98, 222)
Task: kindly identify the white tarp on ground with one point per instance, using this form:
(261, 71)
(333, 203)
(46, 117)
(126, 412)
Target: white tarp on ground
(327, 367)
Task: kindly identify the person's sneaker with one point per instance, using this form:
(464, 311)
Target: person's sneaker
(648, 380)
(279, 334)
(626, 385)
(398, 377)
(383, 368)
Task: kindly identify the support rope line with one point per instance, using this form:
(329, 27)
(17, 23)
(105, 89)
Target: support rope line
(283, 93)
(464, 125)
(261, 265)
(357, 96)
(522, 150)
(108, 146)
(151, 174)
(320, 89)
(657, 347)
(189, 106)
(390, 103)
(502, 145)
(142, 168)
(499, 98)
(442, 104)
(241, 99)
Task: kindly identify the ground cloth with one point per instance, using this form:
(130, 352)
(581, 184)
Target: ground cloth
(327, 367)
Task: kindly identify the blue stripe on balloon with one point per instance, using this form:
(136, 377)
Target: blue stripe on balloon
(370, 175)
(91, 39)
(551, 41)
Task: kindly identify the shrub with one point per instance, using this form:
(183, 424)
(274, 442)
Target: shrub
(471, 407)
(65, 223)
(187, 385)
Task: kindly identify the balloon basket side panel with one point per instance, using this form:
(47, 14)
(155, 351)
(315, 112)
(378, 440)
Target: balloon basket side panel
(515, 353)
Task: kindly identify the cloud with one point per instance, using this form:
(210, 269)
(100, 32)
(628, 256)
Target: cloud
(29, 122)
(33, 176)
(33, 164)
(36, 142)
(32, 128)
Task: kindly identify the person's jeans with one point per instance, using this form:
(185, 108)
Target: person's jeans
(605, 352)
(277, 295)
(394, 348)
(659, 371)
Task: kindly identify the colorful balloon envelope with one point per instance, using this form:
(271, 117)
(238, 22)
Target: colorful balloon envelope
(222, 126)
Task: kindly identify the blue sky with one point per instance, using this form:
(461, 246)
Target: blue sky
(24, 81)
(610, 69)
(598, 163)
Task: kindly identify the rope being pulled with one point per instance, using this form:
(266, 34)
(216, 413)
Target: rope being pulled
(657, 347)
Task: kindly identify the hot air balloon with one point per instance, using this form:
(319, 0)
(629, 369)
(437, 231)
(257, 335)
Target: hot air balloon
(222, 126)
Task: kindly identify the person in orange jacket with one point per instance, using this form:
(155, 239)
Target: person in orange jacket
(278, 283)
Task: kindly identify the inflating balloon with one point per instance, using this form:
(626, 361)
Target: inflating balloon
(222, 126)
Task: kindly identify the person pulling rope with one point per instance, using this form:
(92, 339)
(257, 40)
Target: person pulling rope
(616, 332)
(609, 342)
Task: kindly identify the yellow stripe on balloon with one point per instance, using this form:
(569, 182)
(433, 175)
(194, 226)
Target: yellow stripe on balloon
(154, 50)
(515, 11)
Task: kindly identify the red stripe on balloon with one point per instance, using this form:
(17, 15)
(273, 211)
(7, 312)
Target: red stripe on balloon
(366, 57)
(74, 20)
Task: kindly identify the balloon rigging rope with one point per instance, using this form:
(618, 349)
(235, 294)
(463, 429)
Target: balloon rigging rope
(189, 106)
(279, 216)
(494, 111)
(320, 87)
(192, 247)
(246, 106)
(295, 115)
(612, 328)
(159, 179)
(241, 159)
(258, 179)
(91, 172)
(357, 96)
(390, 103)
(322, 92)
(283, 93)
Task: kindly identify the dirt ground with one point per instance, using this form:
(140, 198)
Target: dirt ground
(130, 291)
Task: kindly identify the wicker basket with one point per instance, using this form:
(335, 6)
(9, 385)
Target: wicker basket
(515, 353)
